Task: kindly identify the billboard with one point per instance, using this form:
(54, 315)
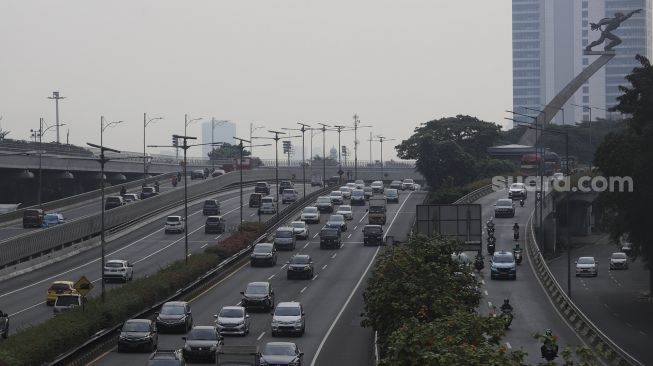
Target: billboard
(463, 222)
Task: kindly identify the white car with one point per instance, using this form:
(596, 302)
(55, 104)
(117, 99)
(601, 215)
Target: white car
(175, 224)
(377, 186)
(118, 269)
(618, 260)
(345, 210)
(351, 185)
(300, 229)
(360, 184)
(346, 192)
(268, 205)
(407, 184)
(130, 197)
(232, 320)
(288, 317)
(289, 195)
(517, 190)
(336, 198)
(586, 266)
(310, 214)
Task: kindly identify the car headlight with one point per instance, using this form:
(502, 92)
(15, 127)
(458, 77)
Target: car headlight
(186, 347)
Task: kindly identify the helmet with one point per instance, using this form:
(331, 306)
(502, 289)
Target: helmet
(506, 301)
(548, 332)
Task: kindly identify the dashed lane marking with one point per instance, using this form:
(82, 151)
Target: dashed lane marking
(302, 290)
(324, 266)
(261, 336)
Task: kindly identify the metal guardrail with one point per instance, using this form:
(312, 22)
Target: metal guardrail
(107, 337)
(583, 326)
(474, 195)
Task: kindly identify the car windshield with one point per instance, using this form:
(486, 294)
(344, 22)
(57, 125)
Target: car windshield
(284, 234)
(231, 313)
(261, 185)
(51, 217)
(391, 192)
(288, 191)
(516, 186)
(262, 248)
(148, 189)
(136, 327)
(210, 203)
(408, 181)
(323, 200)
(205, 334)
(344, 208)
(213, 219)
(298, 225)
(329, 232)
(113, 264)
(173, 219)
(336, 218)
(299, 260)
(256, 290)
(586, 260)
(344, 189)
(59, 287)
(619, 256)
(172, 309)
(287, 311)
(504, 203)
(503, 259)
(359, 182)
(67, 300)
(336, 193)
(376, 209)
(358, 192)
(367, 189)
(278, 350)
(372, 230)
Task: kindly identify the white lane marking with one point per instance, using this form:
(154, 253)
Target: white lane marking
(217, 237)
(361, 220)
(271, 277)
(239, 302)
(306, 245)
(349, 236)
(284, 266)
(485, 293)
(302, 290)
(355, 227)
(508, 345)
(205, 244)
(261, 336)
(315, 236)
(396, 214)
(334, 255)
(252, 214)
(314, 277)
(28, 308)
(483, 282)
(167, 246)
(325, 266)
(489, 304)
(629, 325)
(642, 333)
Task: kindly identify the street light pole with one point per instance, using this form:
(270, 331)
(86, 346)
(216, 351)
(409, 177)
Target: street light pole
(356, 122)
(339, 129)
(276, 139)
(56, 97)
(251, 131)
(303, 129)
(145, 123)
(240, 145)
(324, 180)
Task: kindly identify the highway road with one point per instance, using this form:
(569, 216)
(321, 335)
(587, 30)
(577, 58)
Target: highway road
(533, 311)
(612, 299)
(146, 246)
(332, 298)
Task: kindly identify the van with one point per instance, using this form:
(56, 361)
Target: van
(255, 199)
(284, 238)
(33, 218)
(268, 205)
(211, 207)
(289, 195)
(113, 202)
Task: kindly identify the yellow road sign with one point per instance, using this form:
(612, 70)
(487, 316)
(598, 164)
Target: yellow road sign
(83, 286)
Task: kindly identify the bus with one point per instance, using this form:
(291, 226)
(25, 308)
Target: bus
(529, 164)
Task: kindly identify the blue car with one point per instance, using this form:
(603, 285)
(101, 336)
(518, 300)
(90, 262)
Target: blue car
(52, 219)
(503, 266)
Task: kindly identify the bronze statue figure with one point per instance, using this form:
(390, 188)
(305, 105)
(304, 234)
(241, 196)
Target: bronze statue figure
(606, 33)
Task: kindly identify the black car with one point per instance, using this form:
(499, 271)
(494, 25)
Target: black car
(138, 333)
(202, 343)
(285, 184)
(258, 295)
(333, 180)
(211, 207)
(148, 192)
(264, 253)
(4, 324)
(33, 218)
(166, 357)
(373, 234)
(113, 202)
(281, 354)
(337, 221)
(300, 265)
(255, 199)
(215, 224)
(198, 174)
(330, 238)
(175, 315)
(262, 187)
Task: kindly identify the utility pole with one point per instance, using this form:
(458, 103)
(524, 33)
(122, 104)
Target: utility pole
(240, 145)
(356, 142)
(56, 97)
(340, 172)
(324, 180)
(145, 123)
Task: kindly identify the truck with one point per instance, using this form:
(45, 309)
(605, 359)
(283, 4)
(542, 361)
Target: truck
(377, 212)
(229, 355)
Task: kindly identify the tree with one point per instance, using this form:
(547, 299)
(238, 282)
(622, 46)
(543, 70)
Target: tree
(630, 153)
(227, 151)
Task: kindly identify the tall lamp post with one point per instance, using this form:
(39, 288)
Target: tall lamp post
(213, 123)
(40, 133)
(252, 129)
(323, 129)
(56, 97)
(186, 123)
(381, 139)
(242, 148)
(276, 139)
(356, 142)
(303, 130)
(145, 123)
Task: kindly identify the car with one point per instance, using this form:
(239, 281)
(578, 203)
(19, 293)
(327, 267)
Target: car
(33, 218)
(53, 219)
(217, 173)
(417, 187)
(357, 197)
(232, 320)
(289, 195)
(337, 221)
(391, 195)
(284, 238)
(346, 192)
(335, 179)
(504, 207)
(138, 333)
(311, 214)
(263, 253)
(336, 197)
(215, 224)
(324, 204)
(268, 205)
(166, 357)
(202, 343)
(345, 210)
(502, 265)
(262, 187)
(377, 186)
(113, 202)
(587, 266)
(258, 295)
(65, 302)
(59, 288)
(118, 269)
(130, 197)
(211, 207)
(359, 183)
(147, 192)
(281, 354)
(197, 174)
(368, 192)
(316, 181)
(517, 190)
(300, 229)
(330, 238)
(372, 234)
(4, 324)
(255, 199)
(407, 184)
(395, 184)
(300, 265)
(288, 318)
(175, 224)
(175, 316)
(618, 260)
(285, 184)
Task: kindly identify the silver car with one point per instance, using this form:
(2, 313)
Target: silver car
(311, 215)
(336, 197)
(345, 210)
(618, 260)
(232, 320)
(346, 192)
(288, 318)
(586, 266)
(281, 353)
(118, 269)
(301, 229)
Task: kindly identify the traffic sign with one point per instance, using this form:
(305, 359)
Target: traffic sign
(83, 286)
(340, 172)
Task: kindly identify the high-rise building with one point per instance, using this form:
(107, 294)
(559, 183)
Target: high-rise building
(549, 37)
(223, 131)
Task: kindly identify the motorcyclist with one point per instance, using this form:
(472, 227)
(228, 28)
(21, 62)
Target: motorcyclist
(490, 223)
(506, 307)
(123, 191)
(478, 261)
(156, 185)
(521, 202)
(549, 349)
(515, 230)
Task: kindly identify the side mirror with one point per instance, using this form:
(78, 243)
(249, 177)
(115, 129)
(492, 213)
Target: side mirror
(189, 312)
(157, 313)
(242, 292)
(215, 315)
(575, 262)
(184, 338)
(246, 316)
(301, 354)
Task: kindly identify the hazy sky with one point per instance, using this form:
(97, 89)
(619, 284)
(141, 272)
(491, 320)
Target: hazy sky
(394, 63)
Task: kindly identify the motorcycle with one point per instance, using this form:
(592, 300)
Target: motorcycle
(549, 351)
(490, 248)
(521, 202)
(490, 231)
(515, 235)
(506, 316)
(517, 254)
(4, 324)
(491, 239)
(479, 264)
